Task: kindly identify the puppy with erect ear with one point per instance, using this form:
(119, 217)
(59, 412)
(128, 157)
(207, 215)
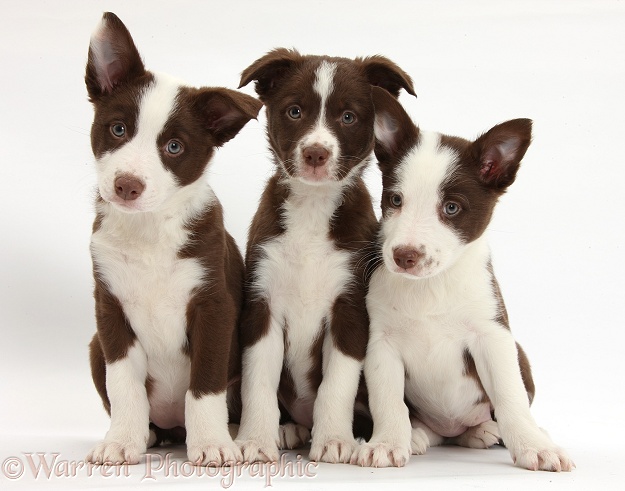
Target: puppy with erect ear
(442, 365)
(304, 326)
(168, 277)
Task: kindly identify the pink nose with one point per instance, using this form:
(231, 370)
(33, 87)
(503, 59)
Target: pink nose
(315, 155)
(406, 257)
(128, 188)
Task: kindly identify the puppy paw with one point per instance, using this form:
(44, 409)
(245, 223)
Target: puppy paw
(484, 435)
(381, 454)
(540, 453)
(214, 453)
(258, 451)
(332, 450)
(116, 452)
(293, 435)
(419, 441)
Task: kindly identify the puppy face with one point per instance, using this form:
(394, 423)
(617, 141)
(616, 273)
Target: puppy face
(152, 136)
(439, 192)
(319, 110)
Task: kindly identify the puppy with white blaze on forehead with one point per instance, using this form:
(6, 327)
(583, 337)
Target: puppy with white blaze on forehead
(304, 325)
(442, 365)
(168, 277)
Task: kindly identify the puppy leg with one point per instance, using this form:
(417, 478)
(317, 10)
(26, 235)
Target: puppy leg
(262, 364)
(496, 359)
(422, 437)
(390, 444)
(293, 435)
(128, 435)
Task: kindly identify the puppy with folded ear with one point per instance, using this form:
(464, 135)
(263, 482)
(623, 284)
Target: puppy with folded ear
(304, 326)
(168, 277)
(441, 364)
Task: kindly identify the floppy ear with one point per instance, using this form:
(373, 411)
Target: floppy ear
(382, 72)
(394, 131)
(113, 57)
(268, 70)
(499, 152)
(225, 111)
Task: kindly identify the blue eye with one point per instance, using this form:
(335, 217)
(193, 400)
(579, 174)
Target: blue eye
(451, 208)
(348, 117)
(396, 200)
(174, 147)
(118, 130)
(294, 112)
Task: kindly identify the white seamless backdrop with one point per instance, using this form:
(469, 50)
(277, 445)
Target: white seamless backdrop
(557, 236)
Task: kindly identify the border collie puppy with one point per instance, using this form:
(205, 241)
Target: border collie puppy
(441, 361)
(168, 277)
(304, 326)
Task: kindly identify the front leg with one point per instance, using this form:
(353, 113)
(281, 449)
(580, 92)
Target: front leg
(127, 437)
(390, 444)
(496, 359)
(263, 356)
(211, 325)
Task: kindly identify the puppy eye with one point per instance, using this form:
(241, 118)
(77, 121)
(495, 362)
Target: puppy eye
(396, 200)
(173, 147)
(294, 112)
(348, 117)
(118, 130)
(451, 208)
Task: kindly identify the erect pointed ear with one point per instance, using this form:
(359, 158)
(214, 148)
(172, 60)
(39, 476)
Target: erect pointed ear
(113, 57)
(499, 152)
(269, 70)
(225, 111)
(394, 131)
(382, 72)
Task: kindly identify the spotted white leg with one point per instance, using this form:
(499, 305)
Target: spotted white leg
(258, 435)
(208, 439)
(332, 435)
(390, 444)
(495, 355)
(128, 434)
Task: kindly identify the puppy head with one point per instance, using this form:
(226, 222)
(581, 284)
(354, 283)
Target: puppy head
(439, 192)
(319, 109)
(152, 136)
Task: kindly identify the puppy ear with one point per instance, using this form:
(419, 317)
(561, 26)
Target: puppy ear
(269, 70)
(225, 111)
(395, 132)
(382, 72)
(113, 57)
(499, 152)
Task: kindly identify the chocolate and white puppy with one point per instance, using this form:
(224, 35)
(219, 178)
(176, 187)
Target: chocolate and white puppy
(304, 326)
(168, 277)
(441, 360)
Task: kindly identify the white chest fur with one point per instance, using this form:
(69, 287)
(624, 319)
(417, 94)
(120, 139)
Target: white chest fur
(136, 255)
(430, 322)
(302, 273)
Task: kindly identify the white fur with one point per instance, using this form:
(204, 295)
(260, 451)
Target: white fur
(420, 328)
(208, 439)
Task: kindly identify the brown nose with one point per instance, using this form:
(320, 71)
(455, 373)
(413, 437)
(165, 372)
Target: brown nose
(315, 155)
(128, 188)
(406, 257)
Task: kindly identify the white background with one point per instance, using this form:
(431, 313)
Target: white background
(557, 237)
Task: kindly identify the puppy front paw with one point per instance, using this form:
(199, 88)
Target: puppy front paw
(256, 450)
(540, 453)
(332, 450)
(293, 435)
(116, 452)
(214, 453)
(381, 454)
